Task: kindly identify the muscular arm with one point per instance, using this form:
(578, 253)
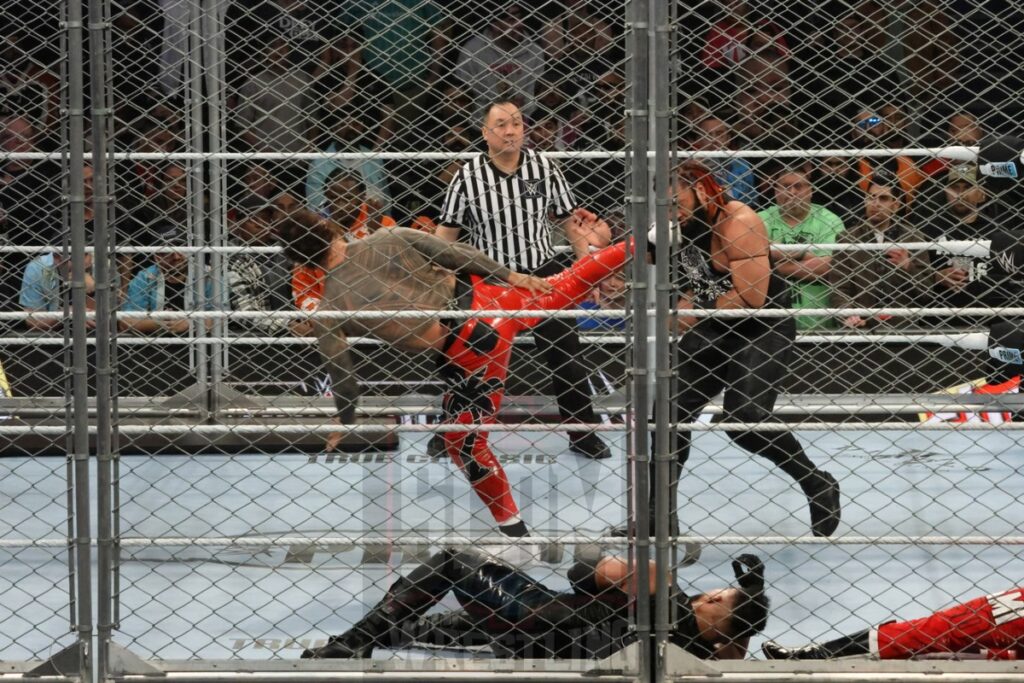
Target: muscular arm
(746, 246)
(453, 255)
(334, 350)
(612, 571)
(593, 600)
(565, 612)
(41, 323)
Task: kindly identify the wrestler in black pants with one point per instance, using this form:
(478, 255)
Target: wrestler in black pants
(521, 614)
(748, 360)
(558, 341)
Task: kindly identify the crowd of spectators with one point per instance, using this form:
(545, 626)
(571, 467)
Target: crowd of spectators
(854, 75)
(383, 75)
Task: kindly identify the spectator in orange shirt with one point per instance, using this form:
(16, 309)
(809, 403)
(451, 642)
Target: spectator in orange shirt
(884, 127)
(348, 205)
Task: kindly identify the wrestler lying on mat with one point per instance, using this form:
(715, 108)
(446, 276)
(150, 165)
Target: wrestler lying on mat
(992, 625)
(519, 617)
(407, 270)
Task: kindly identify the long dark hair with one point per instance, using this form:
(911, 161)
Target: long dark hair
(695, 174)
(305, 237)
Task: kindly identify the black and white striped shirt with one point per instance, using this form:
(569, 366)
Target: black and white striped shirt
(506, 216)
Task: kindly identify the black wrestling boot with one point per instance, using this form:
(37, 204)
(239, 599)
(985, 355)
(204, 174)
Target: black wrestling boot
(352, 644)
(822, 491)
(856, 644)
(380, 626)
(589, 445)
(436, 448)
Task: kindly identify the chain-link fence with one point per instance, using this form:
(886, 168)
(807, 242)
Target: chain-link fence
(435, 338)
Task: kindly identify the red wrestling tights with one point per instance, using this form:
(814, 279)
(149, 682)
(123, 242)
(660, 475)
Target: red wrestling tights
(994, 622)
(476, 365)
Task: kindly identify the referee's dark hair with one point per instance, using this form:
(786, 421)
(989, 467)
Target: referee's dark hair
(486, 111)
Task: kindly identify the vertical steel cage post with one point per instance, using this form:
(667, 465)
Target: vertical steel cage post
(663, 451)
(637, 94)
(194, 135)
(111, 346)
(79, 426)
(105, 296)
(69, 437)
(212, 55)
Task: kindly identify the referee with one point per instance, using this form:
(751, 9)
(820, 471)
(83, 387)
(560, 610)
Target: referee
(504, 200)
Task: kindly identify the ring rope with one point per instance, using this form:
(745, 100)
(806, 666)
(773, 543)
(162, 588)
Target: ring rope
(377, 429)
(961, 153)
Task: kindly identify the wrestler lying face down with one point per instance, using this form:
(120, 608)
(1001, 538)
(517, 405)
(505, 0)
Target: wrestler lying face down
(519, 617)
(992, 626)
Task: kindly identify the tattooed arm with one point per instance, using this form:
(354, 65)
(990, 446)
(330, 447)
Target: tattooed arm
(335, 352)
(453, 255)
(466, 259)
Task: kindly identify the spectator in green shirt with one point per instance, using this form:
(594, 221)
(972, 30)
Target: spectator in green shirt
(794, 219)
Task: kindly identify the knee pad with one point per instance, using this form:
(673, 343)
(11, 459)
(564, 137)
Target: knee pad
(483, 338)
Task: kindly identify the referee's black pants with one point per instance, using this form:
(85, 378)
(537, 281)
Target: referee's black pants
(558, 340)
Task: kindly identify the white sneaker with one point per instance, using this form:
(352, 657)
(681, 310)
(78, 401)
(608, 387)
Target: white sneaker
(515, 555)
